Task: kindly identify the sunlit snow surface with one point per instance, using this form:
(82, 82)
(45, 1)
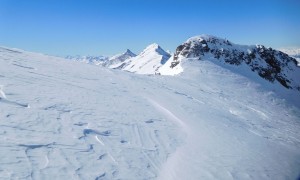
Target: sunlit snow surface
(68, 120)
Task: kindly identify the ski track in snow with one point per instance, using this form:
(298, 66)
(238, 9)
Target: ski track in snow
(168, 114)
(86, 122)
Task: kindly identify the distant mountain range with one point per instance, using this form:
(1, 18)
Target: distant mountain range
(147, 62)
(97, 60)
(272, 65)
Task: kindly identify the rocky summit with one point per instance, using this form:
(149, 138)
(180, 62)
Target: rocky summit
(268, 63)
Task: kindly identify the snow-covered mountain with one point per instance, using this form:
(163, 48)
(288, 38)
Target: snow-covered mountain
(272, 65)
(147, 62)
(96, 60)
(69, 120)
(114, 61)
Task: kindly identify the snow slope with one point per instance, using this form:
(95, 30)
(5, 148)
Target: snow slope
(147, 62)
(67, 120)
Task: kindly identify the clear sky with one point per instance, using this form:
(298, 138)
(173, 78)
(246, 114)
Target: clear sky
(107, 27)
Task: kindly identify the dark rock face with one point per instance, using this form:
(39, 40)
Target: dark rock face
(268, 63)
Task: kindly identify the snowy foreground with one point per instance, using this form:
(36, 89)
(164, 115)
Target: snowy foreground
(68, 120)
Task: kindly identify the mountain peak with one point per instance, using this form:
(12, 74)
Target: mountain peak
(152, 46)
(155, 48)
(268, 63)
(204, 38)
(147, 62)
(127, 54)
(130, 53)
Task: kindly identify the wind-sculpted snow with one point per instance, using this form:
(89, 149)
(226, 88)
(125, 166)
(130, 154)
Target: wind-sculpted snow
(67, 120)
(63, 119)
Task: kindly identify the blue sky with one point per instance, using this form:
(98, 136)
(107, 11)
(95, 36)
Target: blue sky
(107, 27)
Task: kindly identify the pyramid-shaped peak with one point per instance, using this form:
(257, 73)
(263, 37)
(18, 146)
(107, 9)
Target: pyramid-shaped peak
(127, 54)
(153, 46)
(130, 53)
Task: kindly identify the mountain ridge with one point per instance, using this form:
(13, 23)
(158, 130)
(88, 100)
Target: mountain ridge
(113, 61)
(96, 60)
(147, 62)
(270, 64)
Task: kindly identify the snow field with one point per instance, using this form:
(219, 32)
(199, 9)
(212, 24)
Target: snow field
(62, 119)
